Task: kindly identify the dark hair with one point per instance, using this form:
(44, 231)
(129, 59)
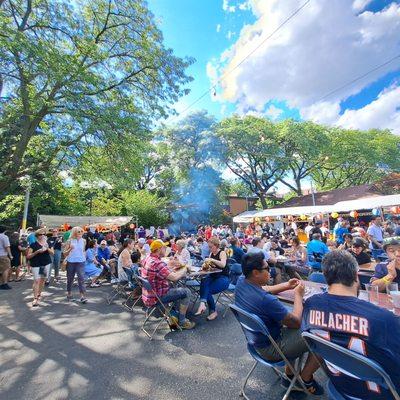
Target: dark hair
(339, 266)
(90, 244)
(135, 257)
(2, 228)
(233, 241)
(316, 236)
(296, 240)
(255, 241)
(252, 261)
(200, 239)
(349, 235)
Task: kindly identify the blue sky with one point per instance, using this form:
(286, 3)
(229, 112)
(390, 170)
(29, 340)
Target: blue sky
(329, 43)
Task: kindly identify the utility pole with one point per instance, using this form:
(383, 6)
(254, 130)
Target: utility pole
(312, 192)
(28, 185)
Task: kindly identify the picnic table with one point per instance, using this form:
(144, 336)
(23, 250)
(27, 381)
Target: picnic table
(312, 288)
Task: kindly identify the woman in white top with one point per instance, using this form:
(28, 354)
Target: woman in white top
(182, 253)
(124, 259)
(76, 258)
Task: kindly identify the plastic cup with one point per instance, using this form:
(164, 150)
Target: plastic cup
(373, 294)
(392, 287)
(396, 298)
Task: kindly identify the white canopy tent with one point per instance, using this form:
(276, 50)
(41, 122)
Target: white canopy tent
(306, 210)
(54, 221)
(245, 217)
(367, 203)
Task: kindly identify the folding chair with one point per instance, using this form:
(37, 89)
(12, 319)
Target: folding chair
(252, 324)
(160, 306)
(348, 361)
(317, 277)
(118, 290)
(139, 284)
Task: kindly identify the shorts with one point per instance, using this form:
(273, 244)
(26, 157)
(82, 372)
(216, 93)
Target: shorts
(40, 272)
(5, 263)
(291, 344)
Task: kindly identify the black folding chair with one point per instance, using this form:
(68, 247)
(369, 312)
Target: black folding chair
(164, 309)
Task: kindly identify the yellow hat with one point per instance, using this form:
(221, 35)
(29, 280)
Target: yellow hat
(157, 244)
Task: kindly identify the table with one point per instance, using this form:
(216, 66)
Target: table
(314, 288)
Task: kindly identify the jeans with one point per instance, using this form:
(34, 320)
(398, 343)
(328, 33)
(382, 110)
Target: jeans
(212, 285)
(56, 258)
(77, 268)
(178, 296)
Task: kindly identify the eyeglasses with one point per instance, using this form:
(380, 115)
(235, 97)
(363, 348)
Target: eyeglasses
(263, 268)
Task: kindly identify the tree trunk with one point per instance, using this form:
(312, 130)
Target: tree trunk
(263, 200)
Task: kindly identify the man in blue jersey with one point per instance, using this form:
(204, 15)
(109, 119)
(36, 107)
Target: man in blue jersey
(316, 249)
(339, 316)
(255, 297)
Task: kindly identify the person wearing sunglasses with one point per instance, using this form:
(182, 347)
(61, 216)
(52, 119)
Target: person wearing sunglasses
(254, 296)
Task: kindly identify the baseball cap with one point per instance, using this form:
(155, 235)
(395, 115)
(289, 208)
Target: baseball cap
(142, 240)
(391, 242)
(157, 244)
(358, 242)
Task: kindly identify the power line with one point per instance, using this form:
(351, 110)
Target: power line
(359, 77)
(247, 56)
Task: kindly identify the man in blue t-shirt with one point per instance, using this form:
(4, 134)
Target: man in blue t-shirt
(316, 249)
(237, 252)
(340, 231)
(339, 316)
(255, 297)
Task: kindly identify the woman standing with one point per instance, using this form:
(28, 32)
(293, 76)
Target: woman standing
(75, 256)
(93, 268)
(213, 283)
(16, 252)
(39, 255)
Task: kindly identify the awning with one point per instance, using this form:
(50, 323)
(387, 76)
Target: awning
(244, 217)
(306, 210)
(367, 203)
(54, 221)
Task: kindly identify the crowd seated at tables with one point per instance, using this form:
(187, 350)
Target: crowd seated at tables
(271, 261)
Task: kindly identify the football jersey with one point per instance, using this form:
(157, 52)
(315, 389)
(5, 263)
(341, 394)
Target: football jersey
(361, 327)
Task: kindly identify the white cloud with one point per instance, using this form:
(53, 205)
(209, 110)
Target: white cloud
(230, 34)
(384, 112)
(327, 44)
(227, 7)
(273, 112)
(218, 28)
(245, 6)
(360, 5)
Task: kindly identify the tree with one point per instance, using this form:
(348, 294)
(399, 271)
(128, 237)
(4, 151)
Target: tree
(80, 72)
(253, 153)
(304, 145)
(358, 157)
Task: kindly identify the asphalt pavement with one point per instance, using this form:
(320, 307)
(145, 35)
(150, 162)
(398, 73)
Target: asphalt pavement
(67, 350)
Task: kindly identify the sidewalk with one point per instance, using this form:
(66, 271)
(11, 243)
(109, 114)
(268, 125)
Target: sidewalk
(64, 350)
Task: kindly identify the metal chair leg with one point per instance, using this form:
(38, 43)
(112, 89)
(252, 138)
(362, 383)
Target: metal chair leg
(242, 392)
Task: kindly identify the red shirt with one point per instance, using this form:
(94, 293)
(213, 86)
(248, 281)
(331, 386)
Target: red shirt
(156, 272)
(208, 233)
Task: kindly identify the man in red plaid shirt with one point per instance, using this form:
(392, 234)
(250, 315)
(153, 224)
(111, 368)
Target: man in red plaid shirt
(159, 275)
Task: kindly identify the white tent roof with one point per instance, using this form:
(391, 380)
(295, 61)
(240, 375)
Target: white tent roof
(54, 221)
(367, 203)
(307, 210)
(244, 217)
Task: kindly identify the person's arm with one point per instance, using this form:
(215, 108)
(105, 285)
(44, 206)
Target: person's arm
(30, 254)
(221, 264)
(281, 287)
(175, 276)
(372, 239)
(68, 248)
(382, 278)
(50, 250)
(293, 319)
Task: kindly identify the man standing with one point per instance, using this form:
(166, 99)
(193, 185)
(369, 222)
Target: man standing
(5, 259)
(340, 317)
(316, 229)
(253, 296)
(375, 237)
(159, 275)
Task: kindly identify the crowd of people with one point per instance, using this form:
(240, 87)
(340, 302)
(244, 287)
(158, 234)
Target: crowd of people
(259, 260)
